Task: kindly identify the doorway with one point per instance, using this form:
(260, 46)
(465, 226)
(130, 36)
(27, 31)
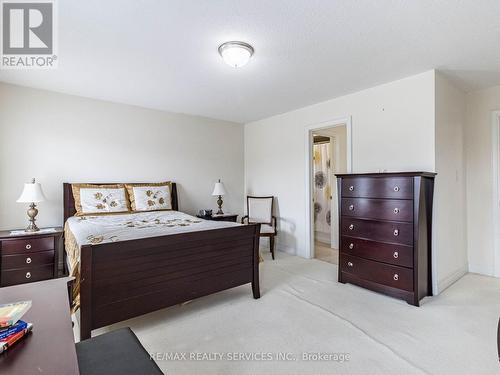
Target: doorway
(329, 157)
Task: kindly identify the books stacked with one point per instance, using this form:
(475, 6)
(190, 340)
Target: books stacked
(12, 328)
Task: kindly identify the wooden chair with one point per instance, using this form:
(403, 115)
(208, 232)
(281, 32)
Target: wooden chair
(260, 210)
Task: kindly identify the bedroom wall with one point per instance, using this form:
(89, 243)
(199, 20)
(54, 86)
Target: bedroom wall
(392, 129)
(61, 138)
(450, 232)
(478, 148)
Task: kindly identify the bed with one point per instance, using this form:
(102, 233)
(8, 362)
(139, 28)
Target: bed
(120, 278)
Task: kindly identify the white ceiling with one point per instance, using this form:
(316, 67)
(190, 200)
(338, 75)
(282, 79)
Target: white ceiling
(163, 54)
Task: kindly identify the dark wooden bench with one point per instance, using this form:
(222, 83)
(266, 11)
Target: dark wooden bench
(115, 353)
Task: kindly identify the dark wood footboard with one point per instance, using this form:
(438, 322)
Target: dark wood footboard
(126, 279)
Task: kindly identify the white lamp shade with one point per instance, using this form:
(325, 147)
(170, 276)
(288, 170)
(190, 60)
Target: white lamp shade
(219, 189)
(32, 192)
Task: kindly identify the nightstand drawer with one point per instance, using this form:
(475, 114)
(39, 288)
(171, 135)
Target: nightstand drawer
(27, 275)
(27, 260)
(28, 245)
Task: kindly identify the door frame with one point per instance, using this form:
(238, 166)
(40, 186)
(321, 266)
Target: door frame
(495, 119)
(334, 157)
(347, 121)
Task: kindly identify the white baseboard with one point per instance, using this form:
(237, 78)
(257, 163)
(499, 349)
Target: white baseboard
(480, 270)
(278, 247)
(450, 279)
(286, 249)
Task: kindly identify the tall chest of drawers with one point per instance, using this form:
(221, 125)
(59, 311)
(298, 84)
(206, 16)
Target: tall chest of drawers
(385, 232)
(28, 258)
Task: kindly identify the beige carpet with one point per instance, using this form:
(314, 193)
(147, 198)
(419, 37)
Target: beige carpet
(304, 309)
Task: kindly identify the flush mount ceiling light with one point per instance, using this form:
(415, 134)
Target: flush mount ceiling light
(236, 54)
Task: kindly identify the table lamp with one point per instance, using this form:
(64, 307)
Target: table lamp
(32, 193)
(219, 190)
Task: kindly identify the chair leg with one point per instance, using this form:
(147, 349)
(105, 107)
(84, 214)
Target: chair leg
(271, 245)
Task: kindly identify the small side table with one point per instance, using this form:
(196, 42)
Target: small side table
(26, 258)
(223, 217)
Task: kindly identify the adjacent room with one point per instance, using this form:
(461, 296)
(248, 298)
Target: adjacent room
(249, 187)
(330, 156)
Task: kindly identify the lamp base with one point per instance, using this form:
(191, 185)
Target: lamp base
(32, 228)
(32, 212)
(219, 203)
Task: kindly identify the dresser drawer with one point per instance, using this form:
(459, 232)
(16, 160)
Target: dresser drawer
(381, 209)
(28, 245)
(383, 231)
(27, 260)
(398, 255)
(385, 274)
(378, 187)
(27, 275)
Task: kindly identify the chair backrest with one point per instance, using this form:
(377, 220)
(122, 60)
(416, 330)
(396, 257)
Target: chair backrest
(260, 209)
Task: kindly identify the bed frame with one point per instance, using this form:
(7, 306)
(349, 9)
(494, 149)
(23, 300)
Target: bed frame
(122, 280)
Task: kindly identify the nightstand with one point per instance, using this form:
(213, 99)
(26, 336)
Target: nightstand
(29, 257)
(223, 217)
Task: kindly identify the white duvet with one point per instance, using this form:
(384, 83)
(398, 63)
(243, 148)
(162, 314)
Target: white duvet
(113, 228)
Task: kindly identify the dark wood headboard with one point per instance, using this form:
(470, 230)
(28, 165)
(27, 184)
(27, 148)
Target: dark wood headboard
(69, 201)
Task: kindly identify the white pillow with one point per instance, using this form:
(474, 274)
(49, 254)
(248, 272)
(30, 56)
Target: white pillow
(150, 198)
(102, 200)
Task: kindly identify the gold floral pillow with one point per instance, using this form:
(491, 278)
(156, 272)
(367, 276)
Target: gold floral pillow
(99, 199)
(150, 197)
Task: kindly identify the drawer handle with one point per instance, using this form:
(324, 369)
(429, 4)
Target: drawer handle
(351, 188)
(396, 210)
(28, 275)
(28, 260)
(350, 264)
(396, 232)
(396, 277)
(28, 246)
(395, 255)
(396, 188)
(351, 227)
(351, 246)
(351, 207)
